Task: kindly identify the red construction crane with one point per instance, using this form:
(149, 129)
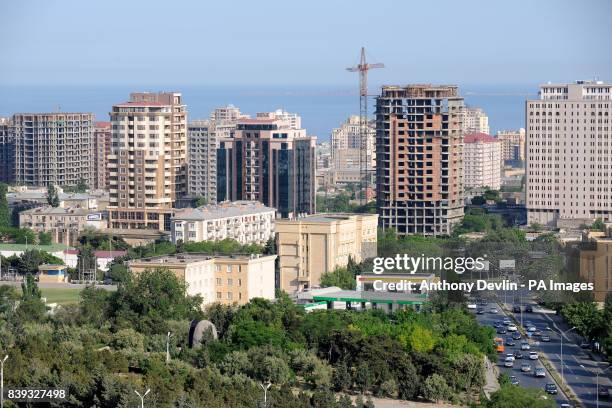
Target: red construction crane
(363, 69)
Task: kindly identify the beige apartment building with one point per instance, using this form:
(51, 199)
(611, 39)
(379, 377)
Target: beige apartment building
(102, 144)
(513, 144)
(147, 165)
(481, 161)
(53, 148)
(569, 154)
(64, 224)
(313, 245)
(346, 145)
(596, 261)
(248, 222)
(234, 279)
(475, 120)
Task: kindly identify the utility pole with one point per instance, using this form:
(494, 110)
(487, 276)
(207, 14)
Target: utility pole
(363, 67)
(561, 334)
(142, 396)
(2, 381)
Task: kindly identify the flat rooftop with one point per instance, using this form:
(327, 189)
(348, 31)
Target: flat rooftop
(371, 297)
(221, 210)
(191, 257)
(329, 217)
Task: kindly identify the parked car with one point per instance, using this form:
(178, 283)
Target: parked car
(545, 338)
(526, 368)
(533, 355)
(529, 309)
(539, 372)
(514, 380)
(512, 327)
(551, 388)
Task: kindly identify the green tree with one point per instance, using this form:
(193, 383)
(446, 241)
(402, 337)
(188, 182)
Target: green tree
(201, 201)
(25, 236)
(436, 389)
(31, 306)
(5, 214)
(45, 238)
(340, 277)
(52, 196)
(519, 397)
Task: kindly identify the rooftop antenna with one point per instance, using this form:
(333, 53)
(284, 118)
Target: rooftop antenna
(363, 67)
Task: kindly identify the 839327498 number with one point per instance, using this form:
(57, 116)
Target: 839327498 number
(35, 394)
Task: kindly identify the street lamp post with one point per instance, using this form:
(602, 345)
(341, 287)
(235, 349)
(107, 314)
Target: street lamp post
(2, 381)
(168, 347)
(142, 396)
(265, 390)
(563, 334)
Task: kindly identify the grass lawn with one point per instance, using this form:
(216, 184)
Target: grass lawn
(61, 296)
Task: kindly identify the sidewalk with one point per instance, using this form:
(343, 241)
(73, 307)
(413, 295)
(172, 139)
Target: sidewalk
(491, 374)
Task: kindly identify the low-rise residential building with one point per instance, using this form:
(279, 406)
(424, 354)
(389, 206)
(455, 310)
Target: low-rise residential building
(92, 200)
(481, 161)
(104, 258)
(64, 224)
(248, 222)
(69, 256)
(224, 279)
(312, 245)
(596, 261)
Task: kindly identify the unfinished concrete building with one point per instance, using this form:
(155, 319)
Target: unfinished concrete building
(53, 148)
(419, 158)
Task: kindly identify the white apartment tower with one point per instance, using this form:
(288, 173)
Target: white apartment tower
(481, 161)
(475, 120)
(147, 164)
(346, 144)
(569, 154)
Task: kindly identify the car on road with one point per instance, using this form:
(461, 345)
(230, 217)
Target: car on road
(516, 309)
(497, 324)
(514, 380)
(531, 329)
(516, 335)
(509, 362)
(585, 345)
(471, 306)
(510, 341)
(537, 333)
(528, 309)
(533, 355)
(539, 372)
(526, 368)
(512, 327)
(545, 338)
(551, 388)
(604, 391)
(480, 311)
(525, 346)
(518, 355)
(510, 355)
(493, 310)
(502, 330)
(506, 321)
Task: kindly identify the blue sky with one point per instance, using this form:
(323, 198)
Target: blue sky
(261, 43)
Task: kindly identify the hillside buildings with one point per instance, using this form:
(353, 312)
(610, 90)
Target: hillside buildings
(313, 245)
(229, 280)
(147, 164)
(53, 148)
(64, 224)
(419, 173)
(268, 160)
(513, 145)
(481, 161)
(248, 222)
(595, 255)
(102, 148)
(475, 120)
(569, 154)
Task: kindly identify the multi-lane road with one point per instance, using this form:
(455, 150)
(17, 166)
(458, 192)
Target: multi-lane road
(579, 370)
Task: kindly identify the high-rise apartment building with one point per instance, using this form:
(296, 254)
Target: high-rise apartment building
(513, 145)
(475, 120)
(346, 148)
(202, 160)
(293, 120)
(102, 143)
(147, 164)
(569, 153)
(7, 152)
(53, 148)
(419, 158)
(267, 160)
(481, 161)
